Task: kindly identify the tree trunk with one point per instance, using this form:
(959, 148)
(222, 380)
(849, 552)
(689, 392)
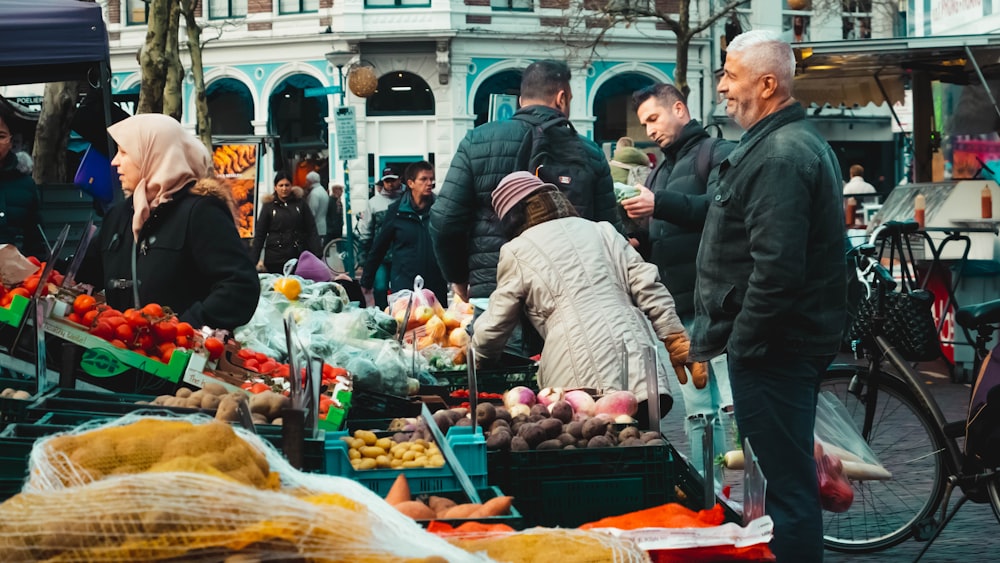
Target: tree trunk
(681, 70)
(197, 73)
(152, 58)
(173, 88)
(52, 133)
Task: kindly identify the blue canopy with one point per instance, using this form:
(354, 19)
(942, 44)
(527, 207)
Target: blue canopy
(51, 40)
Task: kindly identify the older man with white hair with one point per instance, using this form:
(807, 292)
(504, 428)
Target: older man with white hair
(772, 280)
(318, 200)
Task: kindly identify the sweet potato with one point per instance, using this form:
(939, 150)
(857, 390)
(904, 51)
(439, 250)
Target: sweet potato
(497, 506)
(440, 505)
(461, 510)
(415, 509)
(399, 492)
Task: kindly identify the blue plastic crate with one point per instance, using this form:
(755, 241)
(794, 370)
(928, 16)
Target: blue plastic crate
(469, 449)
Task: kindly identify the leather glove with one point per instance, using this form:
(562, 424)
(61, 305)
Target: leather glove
(678, 346)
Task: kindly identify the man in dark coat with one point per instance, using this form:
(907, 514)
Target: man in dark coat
(404, 233)
(464, 228)
(772, 280)
(676, 203)
(20, 216)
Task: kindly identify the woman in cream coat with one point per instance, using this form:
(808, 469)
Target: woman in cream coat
(600, 308)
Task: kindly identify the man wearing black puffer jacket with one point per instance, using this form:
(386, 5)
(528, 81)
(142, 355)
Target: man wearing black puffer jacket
(464, 228)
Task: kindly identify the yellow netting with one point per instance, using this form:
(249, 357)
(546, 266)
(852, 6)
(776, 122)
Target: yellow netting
(546, 544)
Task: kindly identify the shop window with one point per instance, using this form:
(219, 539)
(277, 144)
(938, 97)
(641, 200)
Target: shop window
(401, 93)
(138, 12)
(397, 3)
(220, 9)
(513, 5)
(231, 107)
(297, 6)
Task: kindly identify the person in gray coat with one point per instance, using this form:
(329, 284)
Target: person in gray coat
(772, 280)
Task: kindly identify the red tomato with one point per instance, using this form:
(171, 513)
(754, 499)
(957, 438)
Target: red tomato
(118, 343)
(213, 346)
(153, 310)
(245, 353)
(74, 318)
(185, 329)
(144, 341)
(165, 331)
(83, 304)
(252, 364)
(103, 329)
(136, 319)
(35, 261)
(30, 284)
(260, 388)
(260, 357)
(124, 332)
(90, 316)
(183, 342)
(268, 366)
(247, 385)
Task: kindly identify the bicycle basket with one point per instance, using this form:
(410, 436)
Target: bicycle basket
(909, 324)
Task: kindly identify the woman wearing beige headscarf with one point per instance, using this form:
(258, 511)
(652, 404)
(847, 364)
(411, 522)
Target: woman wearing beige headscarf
(174, 241)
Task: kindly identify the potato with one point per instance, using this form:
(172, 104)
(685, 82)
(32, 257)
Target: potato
(575, 429)
(518, 444)
(384, 443)
(367, 463)
(566, 439)
(7, 392)
(656, 442)
(629, 432)
(550, 445)
(183, 392)
(498, 423)
(599, 442)
(269, 403)
(562, 411)
(650, 435)
(228, 410)
(161, 400)
(366, 436)
(503, 414)
(371, 451)
(214, 388)
(278, 421)
(20, 394)
(552, 427)
(630, 442)
(499, 440)
(258, 418)
(209, 401)
(540, 410)
(444, 420)
(486, 413)
(463, 422)
(594, 427)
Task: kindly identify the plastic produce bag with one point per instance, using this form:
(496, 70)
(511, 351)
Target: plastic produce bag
(840, 436)
(835, 491)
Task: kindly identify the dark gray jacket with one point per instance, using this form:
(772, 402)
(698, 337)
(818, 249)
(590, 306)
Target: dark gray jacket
(464, 228)
(681, 204)
(771, 268)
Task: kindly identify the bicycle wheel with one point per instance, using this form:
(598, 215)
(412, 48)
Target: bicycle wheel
(905, 441)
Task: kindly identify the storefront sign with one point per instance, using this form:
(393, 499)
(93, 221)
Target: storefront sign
(347, 133)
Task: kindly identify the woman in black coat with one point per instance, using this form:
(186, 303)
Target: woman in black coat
(285, 227)
(180, 226)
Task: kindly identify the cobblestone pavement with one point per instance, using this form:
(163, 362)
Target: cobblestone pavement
(972, 537)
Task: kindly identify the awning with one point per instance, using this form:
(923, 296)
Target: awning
(844, 72)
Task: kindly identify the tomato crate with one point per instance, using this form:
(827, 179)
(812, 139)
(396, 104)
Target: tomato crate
(13, 314)
(469, 449)
(567, 488)
(514, 519)
(15, 410)
(496, 380)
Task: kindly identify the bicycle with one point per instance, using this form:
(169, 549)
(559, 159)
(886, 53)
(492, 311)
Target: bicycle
(905, 428)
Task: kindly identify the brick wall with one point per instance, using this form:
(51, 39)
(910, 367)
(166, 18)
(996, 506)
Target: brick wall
(477, 2)
(259, 7)
(258, 26)
(556, 4)
(554, 22)
(115, 11)
(478, 19)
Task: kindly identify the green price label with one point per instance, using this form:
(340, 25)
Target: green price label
(101, 363)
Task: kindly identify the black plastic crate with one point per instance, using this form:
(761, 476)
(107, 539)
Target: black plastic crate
(568, 488)
(16, 410)
(14, 454)
(101, 407)
(370, 404)
(493, 380)
(514, 519)
(33, 431)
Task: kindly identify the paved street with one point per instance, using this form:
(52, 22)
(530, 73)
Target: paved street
(972, 537)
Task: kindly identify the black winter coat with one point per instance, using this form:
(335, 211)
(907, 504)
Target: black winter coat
(404, 232)
(189, 258)
(20, 216)
(681, 203)
(283, 230)
(465, 229)
(771, 271)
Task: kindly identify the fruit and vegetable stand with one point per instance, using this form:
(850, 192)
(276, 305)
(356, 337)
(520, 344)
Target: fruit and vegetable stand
(493, 460)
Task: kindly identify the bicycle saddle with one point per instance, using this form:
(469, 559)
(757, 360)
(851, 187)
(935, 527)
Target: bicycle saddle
(972, 316)
(897, 228)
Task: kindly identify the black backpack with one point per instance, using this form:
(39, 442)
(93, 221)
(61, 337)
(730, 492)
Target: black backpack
(553, 151)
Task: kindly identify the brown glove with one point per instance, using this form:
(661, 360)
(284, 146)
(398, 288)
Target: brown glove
(678, 346)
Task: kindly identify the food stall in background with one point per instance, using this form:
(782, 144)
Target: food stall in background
(236, 161)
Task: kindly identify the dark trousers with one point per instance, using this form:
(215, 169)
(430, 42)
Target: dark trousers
(774, 399)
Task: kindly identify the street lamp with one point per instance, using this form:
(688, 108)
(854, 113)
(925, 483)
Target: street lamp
(340, 59)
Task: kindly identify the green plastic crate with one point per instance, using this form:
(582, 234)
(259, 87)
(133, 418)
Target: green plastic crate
(13, 315)
(568, 488)
(14, 454)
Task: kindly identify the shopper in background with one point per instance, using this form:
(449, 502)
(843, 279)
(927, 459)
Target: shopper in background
(599, 306)
(675, 204)
(370, 220)
(174, 241)
(335, 214)
(285, 227)
(772, 280)
(857, 184)
(404, 234)
(318, 201)
(20, 202)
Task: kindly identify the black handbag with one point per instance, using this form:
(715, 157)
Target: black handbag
(909, 323)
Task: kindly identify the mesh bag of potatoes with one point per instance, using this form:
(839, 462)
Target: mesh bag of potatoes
(151, 488)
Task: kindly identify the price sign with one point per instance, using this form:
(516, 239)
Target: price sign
(347, 133)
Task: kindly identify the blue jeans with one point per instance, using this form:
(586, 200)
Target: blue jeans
(775, 403)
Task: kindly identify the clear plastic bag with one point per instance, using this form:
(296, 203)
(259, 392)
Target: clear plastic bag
(839, 434)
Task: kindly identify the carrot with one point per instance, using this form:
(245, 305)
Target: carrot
(497, 506)
(400, 491)
(415, 509)
(461, 511)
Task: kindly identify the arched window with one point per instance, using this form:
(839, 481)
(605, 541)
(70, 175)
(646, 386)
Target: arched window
(231, 107)
(401, 93)
(504, 82)
(613, 113)
(299, 121)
